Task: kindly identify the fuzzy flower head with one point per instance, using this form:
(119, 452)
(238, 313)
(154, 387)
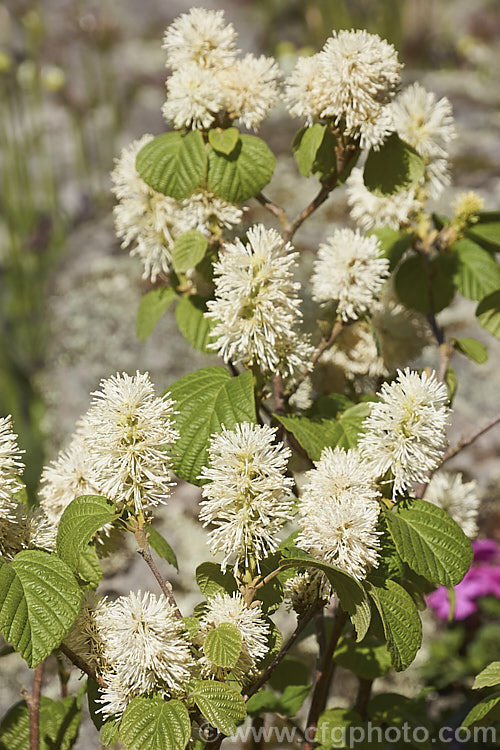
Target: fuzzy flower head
(351, 81)
(250, 88)
(458, 498)
(466, 209)
(253, 629)
(127, 432)
(349, 271)
(202, 37)
(304, 590)
(256, 307)
(143, 642)
(247, 498)
(371, 211)
(405, 431)
(194, 97)
(11, 468)
(339, 511)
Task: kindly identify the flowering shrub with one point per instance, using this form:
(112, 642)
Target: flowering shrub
(318, 497)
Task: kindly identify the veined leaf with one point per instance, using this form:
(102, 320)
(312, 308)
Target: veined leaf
(486, 711)
(151, 308)
(224, 140)
(473, 349)
(488, 313)
(220, 704)
(162, 547)
(174, 163)
(59, 723)
(395, 166)
(211, 580)
(477, 272)
(401, 622)
(150, 723)
(489, 677)
(189, 250)
(243, 173)
(191, 321)
(223, 645)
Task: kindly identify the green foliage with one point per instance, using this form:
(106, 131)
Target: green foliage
(162, 547)
(191, 321)
(334, 719)
(59, 725)
(426, 285)
(430, 542)
(189, 250)
(174, 163)
(109, 733)
(150, 723)
(224, 141)
(488, 313)
(368, 659)
(39, 601)
(288, 703)
(487, 230)
(220, 704)
(317, 433)
(243, 173)
(393, 244)
(205, 400)
(223, 645)
(290, 671)
(489, 677)
(211, 580)
(400, 621)
(314, 151)
(477, 272)
(151, 308)
(82, 518)
(485, 712)
(395, 166)
(472, 348)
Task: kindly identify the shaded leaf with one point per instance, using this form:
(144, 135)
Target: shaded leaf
(174, 163)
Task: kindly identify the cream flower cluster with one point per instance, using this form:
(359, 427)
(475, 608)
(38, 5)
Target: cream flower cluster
(352, 82)
(254, 632)
(256, 307)
(210, 85)
(427, 124)
(350, 272)
(338, 512)
(119, 450)
(405, 431)
(458, 498)
(149, 222)
(247, 498)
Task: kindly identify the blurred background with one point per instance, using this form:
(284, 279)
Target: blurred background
(79, 79)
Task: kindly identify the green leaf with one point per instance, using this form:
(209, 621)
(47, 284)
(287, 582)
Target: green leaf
(162, 547)
(153, 724)
(451, 381)
(82, 518)
(89, 567)
(351, 594)
(174, 163)
(224, 141)
(205, 400)
(316, 434)
(262, 702)
(305, 146)
(393, 244)
(488, 313)
(243, 173)
(220, 704)
(333, 725)
(426, 286)
(401, 622)
(368, 659)
(191, 626)
(487, 230)
(430, 542)
(472, 348)
(395, 166)
(59, 724)
(211, 580)
(191, 321)
(489, 677)
(93, 699)
(109, 732)
(39, 601)
(292, 699)
(189, 250)
(151, 308)
(477, 272)
(487, 709)
(223, 645)
(290, 671)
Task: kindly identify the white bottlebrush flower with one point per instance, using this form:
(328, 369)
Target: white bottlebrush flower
(253, 629)
(338, 512)
(84, 638)
(41, 531)
(194, 97)
(250, 88)
(349, 271)
(202, 37)
(127, 434)
(115, 697)
(11, 468)
(145, 220)
(405, 431)
(351, 81)
(144, 645)
(247, 498)
(371, 211)
(205, 211)
(458, 498)
(256, 307)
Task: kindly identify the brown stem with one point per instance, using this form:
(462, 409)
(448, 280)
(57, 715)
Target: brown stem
(363, 697)
(324, 345)
(324, 674)
(301, 624)
(33, 702)
(466, 441)
(320, 198)
(81, 664)
(279, 399)
(445, 354)
(63, 674)
(273, 208)
(166, 586)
